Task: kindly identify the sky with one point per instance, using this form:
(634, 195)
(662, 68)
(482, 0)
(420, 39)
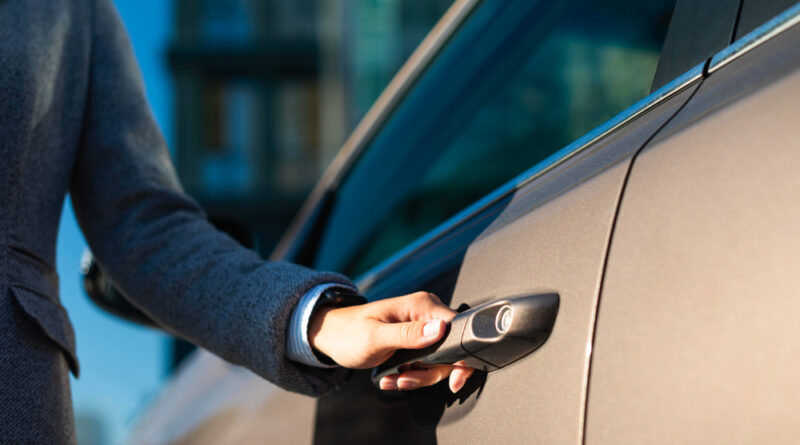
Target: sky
(122, 365)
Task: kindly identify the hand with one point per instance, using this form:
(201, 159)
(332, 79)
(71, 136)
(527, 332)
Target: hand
(365, 336)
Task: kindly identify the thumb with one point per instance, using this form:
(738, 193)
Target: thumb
(409, 335)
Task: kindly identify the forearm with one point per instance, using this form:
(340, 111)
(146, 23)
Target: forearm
(201, 285)
(155, 242)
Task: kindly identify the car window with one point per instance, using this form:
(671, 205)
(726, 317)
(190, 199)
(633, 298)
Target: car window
(519, 80)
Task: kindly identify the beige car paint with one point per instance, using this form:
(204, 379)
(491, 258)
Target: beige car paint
(212, 402)
(698, 339)
(552, 237)
(538, 243)
(559, 247)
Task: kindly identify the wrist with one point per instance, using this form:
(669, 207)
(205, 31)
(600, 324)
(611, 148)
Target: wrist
(298, 347)
(322, 328)
(315, 329)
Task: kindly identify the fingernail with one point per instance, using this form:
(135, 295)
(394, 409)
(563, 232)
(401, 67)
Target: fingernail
(431, 328)
(407, 383)
(388, 384)
(458, 384)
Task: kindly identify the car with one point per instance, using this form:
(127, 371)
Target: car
(630, 167)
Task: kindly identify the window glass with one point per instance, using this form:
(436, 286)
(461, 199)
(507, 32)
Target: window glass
(519, 81)
(379, 36)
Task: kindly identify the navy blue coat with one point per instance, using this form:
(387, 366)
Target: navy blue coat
(74, 118)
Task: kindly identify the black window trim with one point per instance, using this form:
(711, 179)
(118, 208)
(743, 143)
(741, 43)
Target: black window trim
(697, 30)
(756, 38)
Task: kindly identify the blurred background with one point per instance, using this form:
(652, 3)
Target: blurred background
(254, 97)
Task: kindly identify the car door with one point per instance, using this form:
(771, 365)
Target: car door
(697, 337)
(493, 170)
(491, 167)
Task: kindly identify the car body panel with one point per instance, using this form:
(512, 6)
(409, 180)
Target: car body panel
(697, 339)
(551, 236)
(209, 401)
(560, 247)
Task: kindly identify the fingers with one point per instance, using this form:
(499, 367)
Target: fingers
(408, 335)
(409, 322)
(419, 378)
(412, 307)
(459, 376)
(389, 382)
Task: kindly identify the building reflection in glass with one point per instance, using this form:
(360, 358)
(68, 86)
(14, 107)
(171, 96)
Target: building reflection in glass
(268, 90)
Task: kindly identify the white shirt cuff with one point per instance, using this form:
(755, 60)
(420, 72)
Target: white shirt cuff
(298, 348)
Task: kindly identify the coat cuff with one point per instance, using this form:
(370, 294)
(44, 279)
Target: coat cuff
(298, 348)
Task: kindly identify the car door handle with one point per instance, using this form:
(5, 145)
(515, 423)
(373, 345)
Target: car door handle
(486, 337)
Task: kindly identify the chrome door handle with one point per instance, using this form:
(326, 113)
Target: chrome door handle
(486, 337)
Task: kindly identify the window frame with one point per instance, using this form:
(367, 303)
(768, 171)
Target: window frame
(305, 225)
(708, 26)
(305, 232)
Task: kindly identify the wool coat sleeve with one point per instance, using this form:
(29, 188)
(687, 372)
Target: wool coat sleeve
(155, 242)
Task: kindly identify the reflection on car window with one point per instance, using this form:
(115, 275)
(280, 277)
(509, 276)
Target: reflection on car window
(519, 81)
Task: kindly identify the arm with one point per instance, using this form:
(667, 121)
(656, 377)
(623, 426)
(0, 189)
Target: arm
(155, 242)
(196, 282)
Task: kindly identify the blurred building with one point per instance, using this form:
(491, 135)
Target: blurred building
(90, 427)
(267, 91)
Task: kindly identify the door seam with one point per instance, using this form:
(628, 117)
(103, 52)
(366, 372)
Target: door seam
(618, 206)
